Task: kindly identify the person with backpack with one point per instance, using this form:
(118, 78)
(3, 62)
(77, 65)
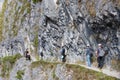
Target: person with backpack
(41, 54)
(88, 53)
(100, 56)
(27, 55)
(63, 56)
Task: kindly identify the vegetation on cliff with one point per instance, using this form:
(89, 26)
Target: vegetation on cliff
(36, 1)
(7, 64)
(2, 18)
(79, 73)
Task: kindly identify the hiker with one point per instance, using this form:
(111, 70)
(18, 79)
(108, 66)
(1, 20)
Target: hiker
(88, 55)
(27, 55)
(63, 56)
(41, 54)
(100, 56)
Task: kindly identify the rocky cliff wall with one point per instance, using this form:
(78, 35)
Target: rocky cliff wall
(46, 25)
(23, 69)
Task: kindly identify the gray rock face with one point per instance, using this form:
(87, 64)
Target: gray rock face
(77, 27)
(39, 73)
(21, 65)
(50, 24)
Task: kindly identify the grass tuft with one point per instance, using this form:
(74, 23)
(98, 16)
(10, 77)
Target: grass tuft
(2, 18)
(20, 73)
(79, 73)
(7, 64)
(36, 1)
(115, 64)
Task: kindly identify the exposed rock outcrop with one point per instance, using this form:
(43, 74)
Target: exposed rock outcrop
(46, 25)
(40, 70)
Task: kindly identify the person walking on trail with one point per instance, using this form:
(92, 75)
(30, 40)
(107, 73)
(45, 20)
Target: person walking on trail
(63, 56)
(27, 55)
(100, 56)
(41, 54)
(88, 55)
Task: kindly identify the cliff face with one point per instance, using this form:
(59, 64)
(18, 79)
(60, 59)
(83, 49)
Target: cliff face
(40, 70)
(46, 25)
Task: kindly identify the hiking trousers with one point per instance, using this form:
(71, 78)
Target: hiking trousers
(63, 57)
(88, 60)
(100, 61)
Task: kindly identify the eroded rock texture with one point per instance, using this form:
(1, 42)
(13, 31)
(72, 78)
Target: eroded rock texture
(47, 25)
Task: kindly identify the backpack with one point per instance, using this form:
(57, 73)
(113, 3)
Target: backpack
(91, 54)
(62, 51)
(41, 54)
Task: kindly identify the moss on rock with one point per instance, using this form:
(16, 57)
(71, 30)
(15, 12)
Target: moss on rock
(2, 18)
(20, 73)
(36, 1)
(7, 64)
(79, 73)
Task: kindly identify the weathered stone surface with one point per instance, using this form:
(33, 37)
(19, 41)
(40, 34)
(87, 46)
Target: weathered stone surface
(50, 24)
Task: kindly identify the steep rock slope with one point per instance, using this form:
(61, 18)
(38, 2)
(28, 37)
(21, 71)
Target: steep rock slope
(46, 25)
(40, 70)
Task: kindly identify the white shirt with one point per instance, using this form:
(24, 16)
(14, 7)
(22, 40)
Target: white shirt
(101, 52)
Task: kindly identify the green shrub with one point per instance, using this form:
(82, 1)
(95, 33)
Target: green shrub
(7, 63)
(35, 44)
(36, 41)
(36, 1)
(54, 75)
(2, 18)
(0, 60)
(20, 73)
(11, 59)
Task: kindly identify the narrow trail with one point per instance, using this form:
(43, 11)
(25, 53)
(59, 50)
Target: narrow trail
(104, 70)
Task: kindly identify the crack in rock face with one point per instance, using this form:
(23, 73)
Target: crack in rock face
(49, 25)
